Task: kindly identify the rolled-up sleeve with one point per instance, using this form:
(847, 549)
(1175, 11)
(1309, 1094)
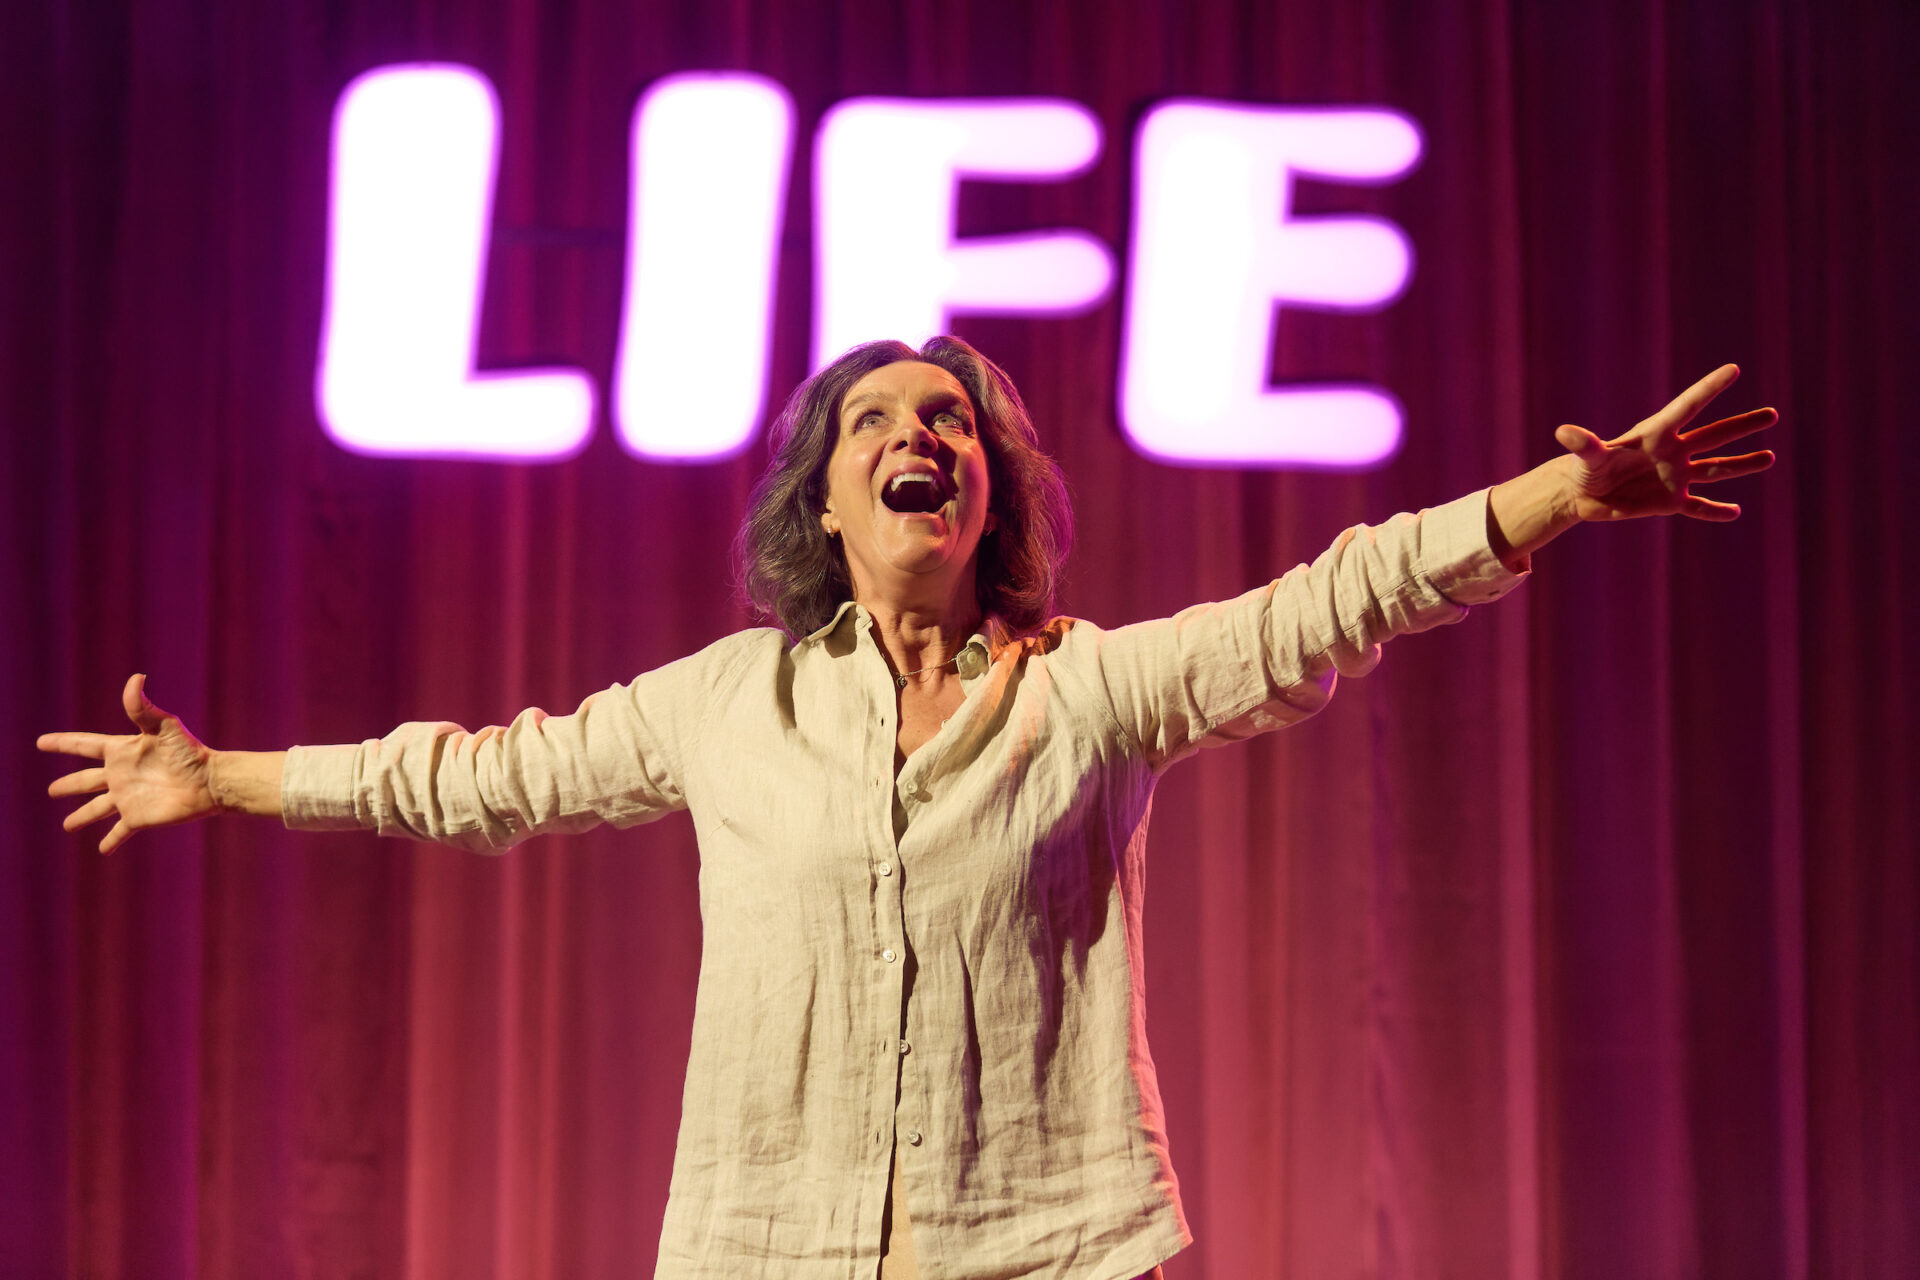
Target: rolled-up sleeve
(617, 759)
(1216, 673)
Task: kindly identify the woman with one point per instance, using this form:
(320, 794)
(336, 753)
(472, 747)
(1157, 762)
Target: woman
(921, 806)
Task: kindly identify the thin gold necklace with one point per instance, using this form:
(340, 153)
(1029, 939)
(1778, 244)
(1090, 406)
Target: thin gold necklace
(900, 680)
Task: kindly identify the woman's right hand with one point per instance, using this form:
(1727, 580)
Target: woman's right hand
(157, 777)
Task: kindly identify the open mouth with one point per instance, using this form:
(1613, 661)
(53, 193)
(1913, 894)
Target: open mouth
(915, 493)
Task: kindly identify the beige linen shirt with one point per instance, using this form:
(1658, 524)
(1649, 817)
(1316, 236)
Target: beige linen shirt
(943, 964)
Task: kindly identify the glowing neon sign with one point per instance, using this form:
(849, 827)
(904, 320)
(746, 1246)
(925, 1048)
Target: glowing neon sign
(1213, 250)
(884, 186)
(414, 154)
(708, 174)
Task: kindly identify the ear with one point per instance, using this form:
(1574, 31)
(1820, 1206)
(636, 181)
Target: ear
(830, 522)
(993, 522)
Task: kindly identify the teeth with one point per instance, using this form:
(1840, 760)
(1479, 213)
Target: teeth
(932, 493)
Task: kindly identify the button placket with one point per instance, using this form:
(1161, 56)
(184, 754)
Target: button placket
(889, 911)
(888, 920)
(912, 784)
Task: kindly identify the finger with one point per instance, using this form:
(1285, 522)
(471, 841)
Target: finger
(89, 813)
(1707, 509)
(1682, 408)
(91, 745)
(1707, 470)
(120, 834)
(80, 783)
(139, 708)
(1717, 435)
(1581, 443)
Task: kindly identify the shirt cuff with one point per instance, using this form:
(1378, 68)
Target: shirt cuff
(317, 789)
(1456, 556)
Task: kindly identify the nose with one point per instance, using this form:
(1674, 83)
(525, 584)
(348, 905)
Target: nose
(916, 437)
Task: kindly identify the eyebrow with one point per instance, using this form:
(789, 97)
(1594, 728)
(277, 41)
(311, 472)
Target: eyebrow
(945, 398)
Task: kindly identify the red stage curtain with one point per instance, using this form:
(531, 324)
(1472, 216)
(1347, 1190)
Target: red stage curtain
(1578, 941)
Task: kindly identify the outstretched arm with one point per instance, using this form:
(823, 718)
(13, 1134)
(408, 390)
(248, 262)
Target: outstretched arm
(1647, 471)
(1220, 672)
(619, 758)
(161, 775)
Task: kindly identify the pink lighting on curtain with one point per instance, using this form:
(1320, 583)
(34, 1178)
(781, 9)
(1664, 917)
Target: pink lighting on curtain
(415, 150)
(709, 161)
(886, 174)
(1214, 249)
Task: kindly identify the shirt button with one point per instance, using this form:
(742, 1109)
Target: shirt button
(888, 955)
(913, 1137)
(886, 868)
(905, 1048)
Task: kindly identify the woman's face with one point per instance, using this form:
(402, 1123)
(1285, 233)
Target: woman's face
(907, 487)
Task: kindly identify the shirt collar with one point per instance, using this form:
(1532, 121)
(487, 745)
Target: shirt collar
(833, 623)
(973, 659)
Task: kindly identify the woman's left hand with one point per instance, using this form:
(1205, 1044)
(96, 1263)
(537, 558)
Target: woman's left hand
(1651, 469)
